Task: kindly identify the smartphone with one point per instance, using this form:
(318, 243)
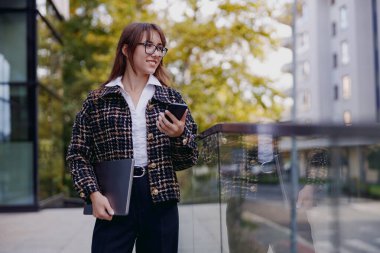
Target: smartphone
(177, 110)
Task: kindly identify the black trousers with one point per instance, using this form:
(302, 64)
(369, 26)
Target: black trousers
(153, 227)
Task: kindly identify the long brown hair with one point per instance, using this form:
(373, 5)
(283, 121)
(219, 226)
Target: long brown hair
(131, 35)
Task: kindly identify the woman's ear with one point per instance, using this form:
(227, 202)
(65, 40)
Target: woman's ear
(124, 49)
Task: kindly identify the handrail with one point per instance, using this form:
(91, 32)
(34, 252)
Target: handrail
(291, 129)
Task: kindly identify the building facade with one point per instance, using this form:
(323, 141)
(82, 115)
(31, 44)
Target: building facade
(31, 152)
(336, 62)
(337, 66)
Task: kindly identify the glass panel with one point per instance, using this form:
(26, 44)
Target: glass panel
(340, 189)
(16, 162)
(5, 105)
(13, 4)
(13, 45)
(16, 147)
(337, 196)
(252, 193)
(202, 191)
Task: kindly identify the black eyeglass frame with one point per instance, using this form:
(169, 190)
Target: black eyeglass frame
(163, 51)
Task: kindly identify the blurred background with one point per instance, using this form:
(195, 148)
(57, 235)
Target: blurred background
(226, 57)
(313, 62)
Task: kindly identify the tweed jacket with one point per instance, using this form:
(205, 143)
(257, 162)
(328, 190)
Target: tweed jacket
(102, 131)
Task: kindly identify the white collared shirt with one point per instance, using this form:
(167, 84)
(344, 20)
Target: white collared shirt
(138, 117)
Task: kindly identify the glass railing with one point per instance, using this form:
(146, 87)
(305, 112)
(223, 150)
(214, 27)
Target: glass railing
(246, 195)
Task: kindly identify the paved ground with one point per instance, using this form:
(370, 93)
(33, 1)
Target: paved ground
(46, 231)
(68, 231)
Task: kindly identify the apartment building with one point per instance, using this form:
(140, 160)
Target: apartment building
(336, 68)
(337, 64)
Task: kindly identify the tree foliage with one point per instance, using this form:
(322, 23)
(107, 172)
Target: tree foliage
(374, 160)
(211, 58)
(50, 114)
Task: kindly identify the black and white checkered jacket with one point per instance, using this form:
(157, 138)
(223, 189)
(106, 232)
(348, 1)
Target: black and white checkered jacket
(102, 131)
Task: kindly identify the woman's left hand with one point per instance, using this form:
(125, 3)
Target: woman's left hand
(174, 129)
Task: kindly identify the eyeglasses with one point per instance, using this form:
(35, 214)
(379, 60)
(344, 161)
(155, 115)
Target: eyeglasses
(150, 48)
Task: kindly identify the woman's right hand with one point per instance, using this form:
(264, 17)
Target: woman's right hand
(101, 207)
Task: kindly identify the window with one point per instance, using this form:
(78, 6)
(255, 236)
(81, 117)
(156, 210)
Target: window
(343, 17)
(335, 60)
(346, 87)
(333, 29)
(303, 40)
(5, 105)
(344, 52)
(347, 118)
(305, 69)
(13, 44)
(336, 92)
(306, 100)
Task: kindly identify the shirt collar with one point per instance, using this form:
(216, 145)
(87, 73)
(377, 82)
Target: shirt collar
(117, 82)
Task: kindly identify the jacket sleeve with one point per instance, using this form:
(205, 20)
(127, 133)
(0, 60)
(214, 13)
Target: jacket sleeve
(318, 162)
(184, 149)
(80, 153)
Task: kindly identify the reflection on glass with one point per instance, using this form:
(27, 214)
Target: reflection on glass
(200, 187)
(337, 200)
(13, 44)
(16, 173)
(254, 189)
(13, 4)
(5, 116)
(16, 150)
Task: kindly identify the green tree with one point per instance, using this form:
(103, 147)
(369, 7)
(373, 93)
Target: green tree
(374, 160)
(211, 59)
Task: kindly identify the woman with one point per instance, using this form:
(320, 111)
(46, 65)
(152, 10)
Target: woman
(126, 118)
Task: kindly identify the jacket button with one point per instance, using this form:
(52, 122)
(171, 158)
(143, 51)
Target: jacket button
(150, 106)
(185, 140)
(150, 136)
(154, 191)
(82, 195)
(152, 166)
